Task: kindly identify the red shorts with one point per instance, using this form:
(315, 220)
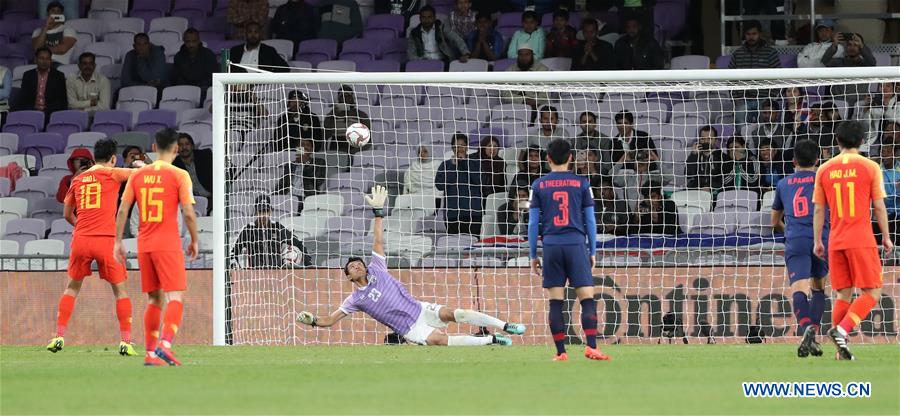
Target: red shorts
(86, 250)
(855, 267)
(162, 270)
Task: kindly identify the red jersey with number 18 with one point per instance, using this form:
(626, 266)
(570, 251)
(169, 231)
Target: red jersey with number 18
(158, 190)
(95, 194)
(847, 184)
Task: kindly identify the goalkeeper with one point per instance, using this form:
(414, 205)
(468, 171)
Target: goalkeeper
(386, 300)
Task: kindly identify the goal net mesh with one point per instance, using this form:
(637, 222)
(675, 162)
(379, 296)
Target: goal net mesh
(682, 174)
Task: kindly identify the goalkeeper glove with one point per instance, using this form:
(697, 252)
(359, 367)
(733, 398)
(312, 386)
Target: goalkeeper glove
(307, 318)
(376, 200)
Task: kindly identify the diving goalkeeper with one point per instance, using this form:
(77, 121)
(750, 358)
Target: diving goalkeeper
(386, 300)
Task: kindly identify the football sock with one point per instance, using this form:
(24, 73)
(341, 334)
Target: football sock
(557, 326)
(123, 312)
(858, 311)
(151, 326)
(816, 307)
(801, 310)
(840, 309)
(468, 316)
(171, 322)
(468, 341)
(66, 306)
(589, 321)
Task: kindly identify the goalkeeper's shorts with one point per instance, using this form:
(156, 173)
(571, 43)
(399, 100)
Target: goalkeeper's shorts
(429, 320)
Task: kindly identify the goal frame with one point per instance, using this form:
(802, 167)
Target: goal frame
(221, 80)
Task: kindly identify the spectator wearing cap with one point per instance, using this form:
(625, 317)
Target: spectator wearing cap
(561, 41)
(342, 115)
(263, 240)
(431, 40)
(305, 175)
(531, 33)
(194, 63)
(88, 90)
(462, 19)
(754, 52)
(298, 122)
(55, 35)
(593, 53)
(637, 49)
(485, 42)
(197, 163)
(525, 61)
(812, 53)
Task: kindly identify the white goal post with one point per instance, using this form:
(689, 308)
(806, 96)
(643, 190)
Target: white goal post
(559, 87)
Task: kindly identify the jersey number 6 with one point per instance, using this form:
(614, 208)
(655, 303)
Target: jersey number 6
(563, 218)
(801, 203)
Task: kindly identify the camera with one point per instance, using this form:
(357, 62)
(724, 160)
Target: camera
(703, 146)
(58, 18)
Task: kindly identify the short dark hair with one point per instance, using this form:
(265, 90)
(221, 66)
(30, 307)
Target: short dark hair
(257, 24)
(53, 4)
(770, 104)
(427, 8)
(140, 35)
(548, 108)
(561, 13)
(166, 138)
(850, 134)
(87, 55)
(104, 150)
(559, 151)
(587, 113)
(483, 15)
(709, 128)
(765, 142)
(806, 153)
(529, 14)
(459, 136)
(191, 30)
(183, 135)
(514, 191)
(128, 149)
(735, 139)
(752, 24)
(626, 115)
(351, 260)
(42, 49)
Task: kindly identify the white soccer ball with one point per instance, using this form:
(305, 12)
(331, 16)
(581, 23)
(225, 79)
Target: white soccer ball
(291, 256)
(358, 134)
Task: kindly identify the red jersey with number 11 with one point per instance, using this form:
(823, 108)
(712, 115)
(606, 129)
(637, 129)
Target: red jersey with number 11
(95, 195)
(848, 183)
(158, 189)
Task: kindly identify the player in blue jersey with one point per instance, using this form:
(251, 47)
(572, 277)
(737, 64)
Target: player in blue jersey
(562, 212)
(806, 271)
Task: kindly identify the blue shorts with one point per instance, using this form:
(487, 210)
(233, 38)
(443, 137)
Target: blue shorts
(570, 263)
(802, 263)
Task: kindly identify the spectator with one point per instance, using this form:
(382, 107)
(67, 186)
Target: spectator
(460, 180)
(637, 49)
(194, 63)
(298, 122)
(43, 88)
(512, 217)
(655, 214)
(244, 108)
(305, 176)
(812, 53)
(823, 119)
(739, 169)
(262, 240)
(796, 110)
(587, 164)
(131, 154)
(643, 173)
(406, 8)
(589, 137)
(493, 169)
(638, 10)
(531, 166)
(431, 40)
(70, 8)
(875, 110)
(630, 140)
(593, 53)
(485, 42)
(561, 41)
(891, 172)
(856, 53)
(55, 35)
(525, 62)
(530, 34)
(5, 91)
(769, 126)
(342, 115)
(341, 19)
(199, 165)
(462, 19)
(88, 90)
(79, 161)
(419, 178)
(254, 53)
(704, 160)
(548, 128)
(610, 210)
(145, 64)
(771, 165)
(294, 21)
(754, 52)
(243, 13)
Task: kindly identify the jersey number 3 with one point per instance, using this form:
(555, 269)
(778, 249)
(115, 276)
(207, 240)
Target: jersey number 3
(801, 203)
(562, 198)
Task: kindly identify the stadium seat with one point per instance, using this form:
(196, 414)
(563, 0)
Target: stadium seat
(42, 144)
(383, 65)
(109, 10)
(284, 47)
(132, 138)
(202, 136)
(410, 247)
(35, 187)
(394, 50)
(338, 65)
(690, 62)
(767, 200)
(179, 98)
(19, 72)
(692, 198)
(107, 53)
(557, 64)
(316, 50)
(8, 247)
(472, 65)
(91, 27)
(723, 61)
(130, 25)
(5, 186)
(192, 10)
(24, 229)
(151, 121)
(757, 222)
(148, 10)
(360, 50)
(136, 98)
(425, 65)
(24, 122)
(324, 204)
(391, 22)
(67, 122)
(714, 223)
(46, 209)
(196, 117)
(9, 143)
(306, 226)
(110, 122)
(736, 200)
(114, 74)
(85, 139)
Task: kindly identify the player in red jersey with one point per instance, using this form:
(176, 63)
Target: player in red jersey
(93, 195)
(159, 189)
(848, 184)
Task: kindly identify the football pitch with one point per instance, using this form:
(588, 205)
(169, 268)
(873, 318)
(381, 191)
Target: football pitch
(683, 379)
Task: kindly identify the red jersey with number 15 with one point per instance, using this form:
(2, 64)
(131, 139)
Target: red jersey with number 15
(95, 195)
(848, 183)
(158, 190)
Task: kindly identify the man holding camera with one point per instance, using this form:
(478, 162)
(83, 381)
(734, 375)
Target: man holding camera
(55, 35)
(856, 53)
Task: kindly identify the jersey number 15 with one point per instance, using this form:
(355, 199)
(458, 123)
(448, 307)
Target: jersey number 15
(151, 208)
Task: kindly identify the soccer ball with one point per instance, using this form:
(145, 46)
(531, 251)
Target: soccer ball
(358, 134)
(291, 256)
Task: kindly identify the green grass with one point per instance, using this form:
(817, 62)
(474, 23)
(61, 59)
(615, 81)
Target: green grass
(681, 379)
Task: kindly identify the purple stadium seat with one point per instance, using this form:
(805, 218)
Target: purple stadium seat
(357, 50)
(5, 186)
(284, 47)
(41, 144)
(130, 25)
(690, 62)
(502, 64)
(112, 121)
(316, 50)
(24, 230)
(722, 61)
(787, 60)
(167, 30)
(24, 122)
(149, 9)
(511, 19)
(151, 121)
(221, 7)
(107, 52)
(337, 65)
(192, 10)
(85, 139)
(392, 22)
(34, 187)
(472, 65)
(180, 98)
(759, 223)
(379, 35)
(383, 65)
(9, 143)
(56, 164)
(108, 10)
(736, 200)
(670, 18)
(715, 223)
(67, 122)
(348, 181)
(132, 138)
(90, 27)
(217, 45)
(27, 27)
(425, 65)
(197, 118)
(136, 98)
(213, 27)
(394, 49)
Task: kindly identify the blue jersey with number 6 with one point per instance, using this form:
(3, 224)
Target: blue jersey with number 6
(793, 195)
(562, 198)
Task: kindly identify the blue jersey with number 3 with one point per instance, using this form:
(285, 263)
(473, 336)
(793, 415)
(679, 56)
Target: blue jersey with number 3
(793, 195)
(562, 198)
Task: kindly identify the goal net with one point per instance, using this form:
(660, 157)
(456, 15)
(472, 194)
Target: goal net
(682, 164)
